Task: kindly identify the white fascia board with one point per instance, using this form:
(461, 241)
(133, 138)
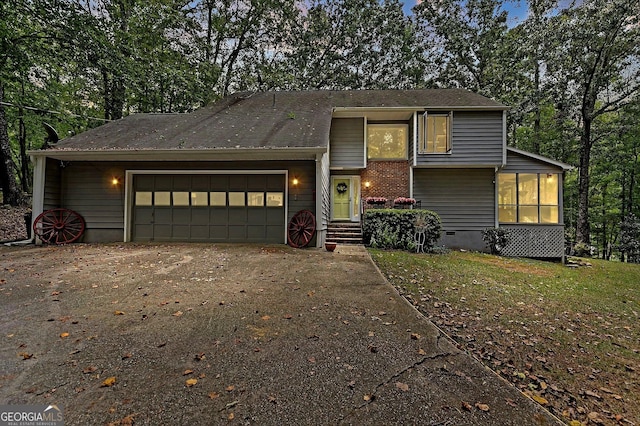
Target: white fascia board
(544, 159)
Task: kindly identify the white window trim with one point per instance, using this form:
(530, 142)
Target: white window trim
(422, 138)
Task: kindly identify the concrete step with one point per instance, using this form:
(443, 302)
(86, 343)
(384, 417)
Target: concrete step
(344, 233)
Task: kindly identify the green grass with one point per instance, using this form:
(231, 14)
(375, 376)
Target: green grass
(561, 334)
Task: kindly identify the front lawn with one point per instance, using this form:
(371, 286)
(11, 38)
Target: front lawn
(567, 337)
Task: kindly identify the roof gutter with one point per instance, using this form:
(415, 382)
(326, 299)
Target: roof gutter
(547, 160)
(210, 154)
(424, 108)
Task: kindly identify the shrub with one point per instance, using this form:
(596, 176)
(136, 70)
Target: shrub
(395, 229)
(496, 239)
(582, 250)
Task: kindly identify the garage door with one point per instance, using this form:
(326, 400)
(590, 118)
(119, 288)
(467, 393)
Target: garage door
(209, 207)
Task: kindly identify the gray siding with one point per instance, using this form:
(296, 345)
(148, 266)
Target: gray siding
(347, 143)
(87, 189)
(517, 163)
(477, 140)
(464, 198)
(52, 185)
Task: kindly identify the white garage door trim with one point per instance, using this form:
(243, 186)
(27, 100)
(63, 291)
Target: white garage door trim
(128, 194)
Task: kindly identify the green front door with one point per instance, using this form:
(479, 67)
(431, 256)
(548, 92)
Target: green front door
(341, 198)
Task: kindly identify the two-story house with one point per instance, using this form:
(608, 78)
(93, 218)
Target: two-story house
(238, 170)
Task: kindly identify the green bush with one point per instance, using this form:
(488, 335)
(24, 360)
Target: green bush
(496, 239)
(395, 228)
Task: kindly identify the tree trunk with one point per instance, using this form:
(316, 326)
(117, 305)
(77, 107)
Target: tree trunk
(25, 173)
(10, 191)
(583, 228)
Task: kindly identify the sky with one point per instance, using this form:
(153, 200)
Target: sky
(517, 9)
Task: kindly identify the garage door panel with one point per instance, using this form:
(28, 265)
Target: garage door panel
(181, 232)
(237, 232)
(144, 232)
(144, 182)
(274, 182)
(219, 232)
(162, 215)
(144, 215)
(274, 216)
(274, 234)
(209, 207)
(237, 215)
(200, 216)
(182, 183)
(181, 215)
(237, 183)
(256, 215)
(162, 232)
(219, 183)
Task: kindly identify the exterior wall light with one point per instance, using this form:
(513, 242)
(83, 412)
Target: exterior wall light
(367, 184)
(115, 181)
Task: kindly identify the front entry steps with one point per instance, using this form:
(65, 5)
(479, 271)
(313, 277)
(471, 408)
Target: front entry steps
(344, 233)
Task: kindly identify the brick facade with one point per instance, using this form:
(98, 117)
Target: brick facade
(389, 179)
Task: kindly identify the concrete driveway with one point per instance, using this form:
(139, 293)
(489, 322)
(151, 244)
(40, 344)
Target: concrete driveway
(215, 334)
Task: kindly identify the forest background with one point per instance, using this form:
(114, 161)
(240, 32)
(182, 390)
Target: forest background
(569, 70)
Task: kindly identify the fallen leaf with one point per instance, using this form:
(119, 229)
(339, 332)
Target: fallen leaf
(177, 314)
(287, 316)
(214, 395)
(109, 381)
(127, 355)
(265, 318)
(25, 355)
(592, 394)
(421, 352)
(230, 388)
(202, 376)
(89, 370)
(231, 416)
(482, 407)
(540, 400)
(369, 397)
(191, 382)
(63, 335)
(595, 417)
(415, 336)
(200, 356)
(187, 372)
(118, 313)
(466, 405)
(402, 386)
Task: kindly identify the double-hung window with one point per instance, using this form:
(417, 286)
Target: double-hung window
(528, 198)
(435, 133)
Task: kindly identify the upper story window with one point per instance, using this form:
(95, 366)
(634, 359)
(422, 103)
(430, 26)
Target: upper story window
(387, 141)
(435, 134)
(528, 198)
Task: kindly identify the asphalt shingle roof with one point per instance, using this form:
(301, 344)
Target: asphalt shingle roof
(261, 120)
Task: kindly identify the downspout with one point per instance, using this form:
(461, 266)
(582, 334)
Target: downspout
(321, 225)
(37, 202)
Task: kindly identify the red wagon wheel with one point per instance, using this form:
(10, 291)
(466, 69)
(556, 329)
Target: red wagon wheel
(58, 226)
(302, 227)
